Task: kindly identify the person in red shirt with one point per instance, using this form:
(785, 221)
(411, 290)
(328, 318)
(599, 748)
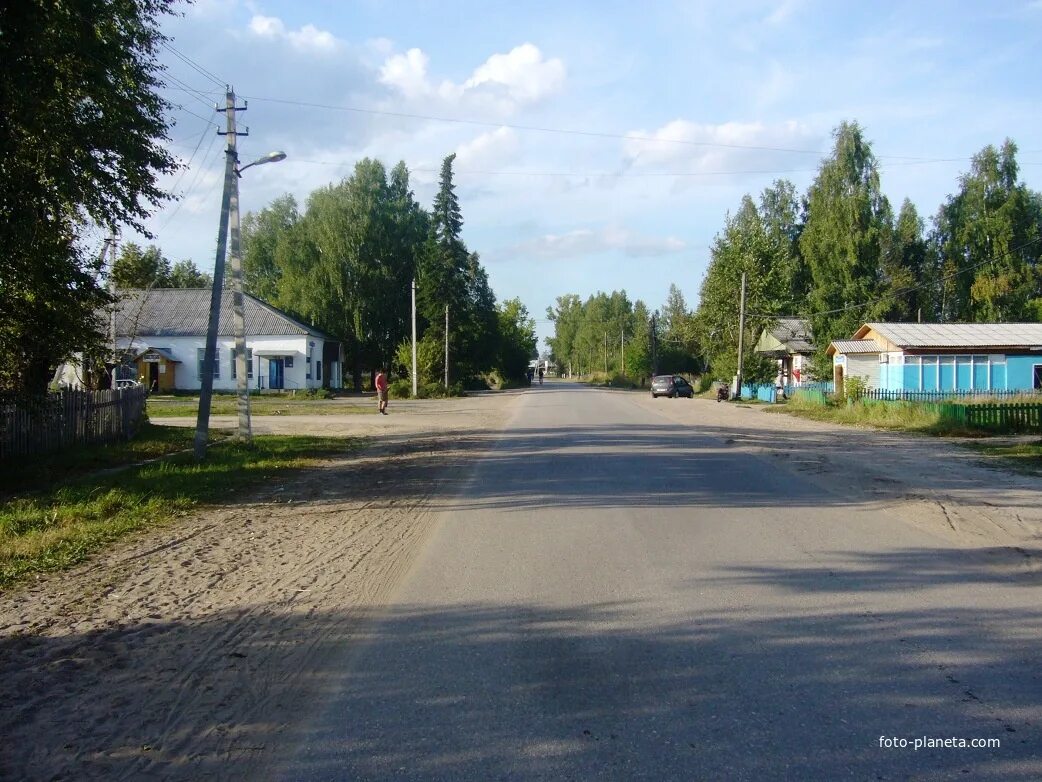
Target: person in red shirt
(381, 389)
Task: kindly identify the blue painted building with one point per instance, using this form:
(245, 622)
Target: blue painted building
(940, 357)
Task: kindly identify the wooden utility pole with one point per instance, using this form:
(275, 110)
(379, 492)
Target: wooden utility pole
(446, 347)
(622, 351)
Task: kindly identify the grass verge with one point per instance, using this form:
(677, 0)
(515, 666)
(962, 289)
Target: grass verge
(903, 416)
(185, 407)
(57, 527)
(1026, 457)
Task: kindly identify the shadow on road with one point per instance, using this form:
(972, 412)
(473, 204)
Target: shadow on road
(530, 691)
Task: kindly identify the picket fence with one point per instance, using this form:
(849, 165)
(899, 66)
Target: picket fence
(68, 418)
(1016, 417)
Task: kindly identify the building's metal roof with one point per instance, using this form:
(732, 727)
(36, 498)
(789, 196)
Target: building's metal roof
(794, 334)
(854, 346)
(960, 335)
(185, 312)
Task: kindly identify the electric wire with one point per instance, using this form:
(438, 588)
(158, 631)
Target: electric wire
(194, 65)
(206, 162)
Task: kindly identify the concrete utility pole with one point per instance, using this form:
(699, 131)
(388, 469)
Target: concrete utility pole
(110, 248)
(446, 347)
(242, 385)
(741, 340)
(606, 352)
(415, 390)
(622, 351)
(202, 423)
(654, 346)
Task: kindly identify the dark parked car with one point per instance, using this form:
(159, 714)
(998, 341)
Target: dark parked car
(671, 386)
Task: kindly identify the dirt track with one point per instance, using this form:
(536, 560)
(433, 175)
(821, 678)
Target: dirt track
(166, 657)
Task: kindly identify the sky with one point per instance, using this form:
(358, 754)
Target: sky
(599, 145)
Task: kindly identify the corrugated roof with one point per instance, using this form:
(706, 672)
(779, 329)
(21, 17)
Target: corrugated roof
(794, 334)
(961, 335)
(854, 346)
(185, 312)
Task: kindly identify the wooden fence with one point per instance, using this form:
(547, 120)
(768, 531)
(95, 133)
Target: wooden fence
(1022, 417)
(68, 418)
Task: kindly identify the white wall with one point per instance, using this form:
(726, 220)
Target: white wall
(184, 349)
(865, 366)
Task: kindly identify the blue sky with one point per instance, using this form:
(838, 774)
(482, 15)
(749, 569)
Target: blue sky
(676, 110)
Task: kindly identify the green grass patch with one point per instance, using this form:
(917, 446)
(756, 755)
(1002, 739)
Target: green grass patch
(901, 416)
(57, 527)
(188, 407)
(1024, 456)
(23, 475)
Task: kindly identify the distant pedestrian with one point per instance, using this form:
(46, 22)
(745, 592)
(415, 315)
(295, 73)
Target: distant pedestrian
(540, 375)
(381, 389)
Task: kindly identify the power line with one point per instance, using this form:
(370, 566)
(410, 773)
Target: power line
(194, 65)
(199, 172)
(208, 120)
(631, 175)
(182, 86)
(534, 128)
(188, 165)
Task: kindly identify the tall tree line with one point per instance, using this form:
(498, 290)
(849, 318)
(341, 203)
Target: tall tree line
(347, 262)
(839, 257)
(82, 132)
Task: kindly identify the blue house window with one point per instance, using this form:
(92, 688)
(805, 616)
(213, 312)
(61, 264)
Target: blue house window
(929, 374)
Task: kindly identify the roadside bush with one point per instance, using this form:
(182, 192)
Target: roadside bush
(438, 391)
(854, 388)
(705, 383)
(400, 389)
(611, 380)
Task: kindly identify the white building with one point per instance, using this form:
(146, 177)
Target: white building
(163, 335)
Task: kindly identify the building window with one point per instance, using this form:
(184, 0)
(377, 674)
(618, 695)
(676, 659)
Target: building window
(1037, 377)
(289, 362)
(200, 354)
(318, 370)
(249, 364)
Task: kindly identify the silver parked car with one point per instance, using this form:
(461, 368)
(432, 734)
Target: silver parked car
(671, 386)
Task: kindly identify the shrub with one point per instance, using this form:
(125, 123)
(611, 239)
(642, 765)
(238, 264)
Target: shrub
(400, 389)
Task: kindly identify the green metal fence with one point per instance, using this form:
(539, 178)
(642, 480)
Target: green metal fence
(1011, 417)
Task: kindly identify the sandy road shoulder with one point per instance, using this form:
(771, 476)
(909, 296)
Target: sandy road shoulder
(186, 652)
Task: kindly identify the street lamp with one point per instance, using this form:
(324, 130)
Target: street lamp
(238, 317)
(271, 157)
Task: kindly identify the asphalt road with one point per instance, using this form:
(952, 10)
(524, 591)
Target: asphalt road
(616, 595)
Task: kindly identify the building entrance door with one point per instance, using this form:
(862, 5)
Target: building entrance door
(276, 372)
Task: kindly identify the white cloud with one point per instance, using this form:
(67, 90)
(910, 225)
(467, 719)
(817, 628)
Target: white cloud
(521, 76)
(686, 147)
(522, 72)
(783, 12)
(407, 73)
(583, 242)
(308, 38)
(488, 150)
